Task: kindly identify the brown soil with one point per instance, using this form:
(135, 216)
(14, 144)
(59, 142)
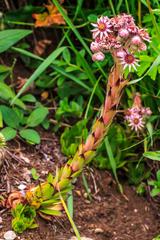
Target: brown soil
(108, 216)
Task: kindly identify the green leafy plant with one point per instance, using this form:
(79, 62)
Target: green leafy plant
(47, 197)
(71, 137)
(156, 238)
(34, 173)
(136, 174)
(155, 184)
(24, 217)
(17, 123)
(69, 109)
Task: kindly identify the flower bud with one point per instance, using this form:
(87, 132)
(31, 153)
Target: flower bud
(136, 40)
(120, 53)
(99, 56)
(142, 47)
(123, 33)
(148, 111)
(94, 47)
(144, 35)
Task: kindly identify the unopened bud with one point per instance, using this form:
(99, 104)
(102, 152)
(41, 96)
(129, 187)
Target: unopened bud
(136, 40)
(99, 56)
(121, 53)
(142, 47)
(123, 33)
(94, 47)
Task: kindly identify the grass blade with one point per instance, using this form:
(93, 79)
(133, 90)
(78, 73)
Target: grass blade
(70, 203)
(91, 97)
(87, 69)
(70, 218)
(40, 70)
(71, 25)
(57, 69)
(85, 183)
(112, 163)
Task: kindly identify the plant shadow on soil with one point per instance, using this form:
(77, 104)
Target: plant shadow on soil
(109, 216)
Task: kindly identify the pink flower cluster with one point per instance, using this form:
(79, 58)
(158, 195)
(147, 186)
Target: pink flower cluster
(136, 116)
(120, 36)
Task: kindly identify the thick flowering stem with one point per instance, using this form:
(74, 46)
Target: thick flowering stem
(86, 151)
(122, 38)
(45, 198)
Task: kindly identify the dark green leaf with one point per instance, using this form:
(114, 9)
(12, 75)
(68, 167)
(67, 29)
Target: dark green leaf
(152, 155)
(28, 98)
(9, 116)
(9, 37)
(34, 174)
(37, 116)
(9, 133)
(30, 136)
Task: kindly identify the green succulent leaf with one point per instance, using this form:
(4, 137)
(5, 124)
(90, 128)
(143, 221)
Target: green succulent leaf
(51, 212)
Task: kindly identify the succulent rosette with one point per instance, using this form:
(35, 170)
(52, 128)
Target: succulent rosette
(122, 38)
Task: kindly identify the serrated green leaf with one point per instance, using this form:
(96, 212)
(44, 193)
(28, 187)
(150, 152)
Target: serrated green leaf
(154, 65)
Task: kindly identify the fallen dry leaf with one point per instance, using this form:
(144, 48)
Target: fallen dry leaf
(44, 95)
(50, 17)
(14, 199)
(20, 83)
(41, 46)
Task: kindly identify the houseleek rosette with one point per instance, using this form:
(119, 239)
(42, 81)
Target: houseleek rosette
(120, 37)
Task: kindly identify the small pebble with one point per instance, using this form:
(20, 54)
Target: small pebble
(21, 186)
(10, 235)
(98, 230)
(82, 238)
